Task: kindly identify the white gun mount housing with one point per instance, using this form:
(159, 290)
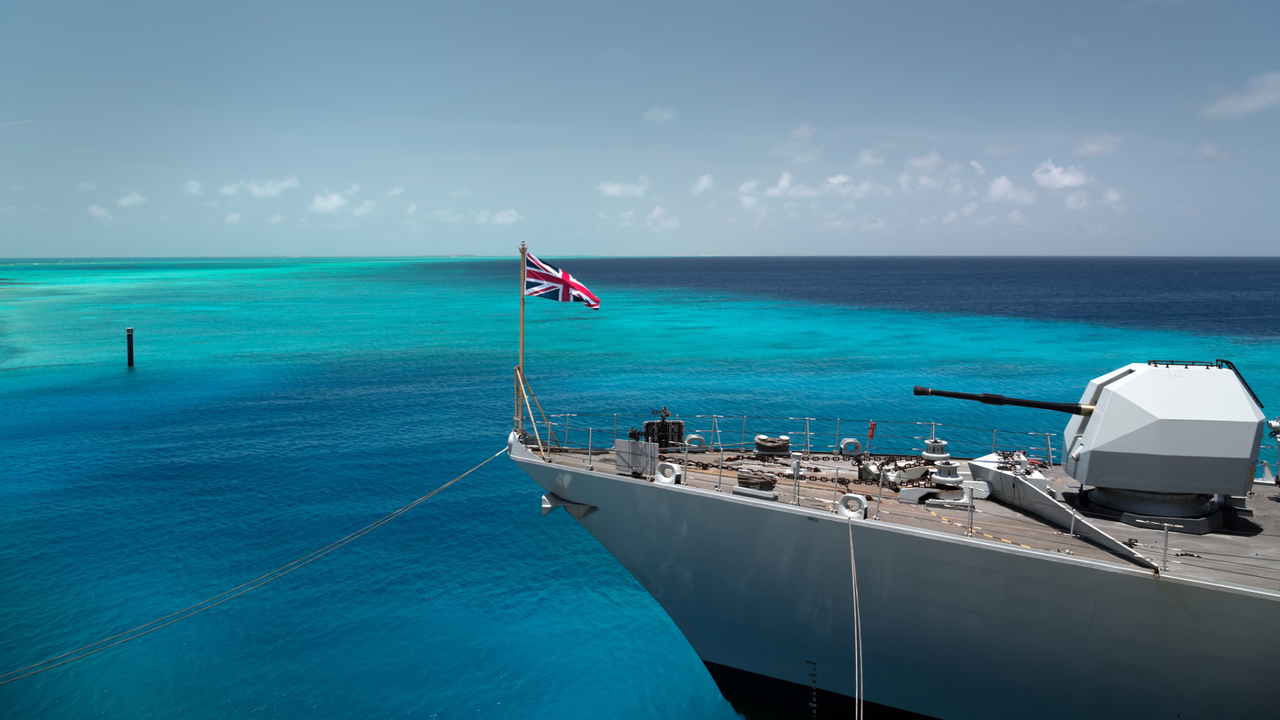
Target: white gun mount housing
(1160, 438)
(1164, 437)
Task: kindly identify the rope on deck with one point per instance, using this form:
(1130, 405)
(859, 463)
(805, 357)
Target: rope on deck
(233, 593)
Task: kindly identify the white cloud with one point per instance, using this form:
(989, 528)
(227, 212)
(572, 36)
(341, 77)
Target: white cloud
(395, 191)
(660, 115)
(1104, 144)
(446, 215)
(413, 208)
(951, 216)
(1112, 196)
(364, 208)
(843, 185)
(1002, 189)
(352, 190)
(502, 217)
(925, 163)
(928, 172)
(835, 223)
(749, 202)
(192, 188)
(1261, 92)
(275, 219)
(613, 189)
(86, 187)
(702, 185)
(969, 209)
(660, 219)
(872, 223)
(131, 199)
(256, 188)
(1077, 201)
(836, 183)
(869, 158)
(1055, 178)
(784, 188)
(977, 168)
(1015, 217)
(232, 218)
(327, 203)
(269, 188)
(799, 146)
(100, 213)
(1211, 151)
(749, 186)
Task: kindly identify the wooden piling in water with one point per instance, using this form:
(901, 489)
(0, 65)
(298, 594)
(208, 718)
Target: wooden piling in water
(128, 333)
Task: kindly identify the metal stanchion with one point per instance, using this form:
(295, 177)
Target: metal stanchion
(795, 477)
(1166, 547)
(880, 493)
(1071, 535)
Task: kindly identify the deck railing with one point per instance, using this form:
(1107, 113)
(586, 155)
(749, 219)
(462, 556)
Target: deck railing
(822, 436)
(810, 435)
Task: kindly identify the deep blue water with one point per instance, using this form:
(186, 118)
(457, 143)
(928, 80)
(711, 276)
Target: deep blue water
(280, 404)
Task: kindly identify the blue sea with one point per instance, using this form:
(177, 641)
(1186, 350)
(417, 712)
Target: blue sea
(277, 405)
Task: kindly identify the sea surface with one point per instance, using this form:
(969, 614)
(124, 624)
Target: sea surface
(277, 405)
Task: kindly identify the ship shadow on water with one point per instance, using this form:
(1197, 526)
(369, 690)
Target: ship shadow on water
(750, 710)
(758, 697)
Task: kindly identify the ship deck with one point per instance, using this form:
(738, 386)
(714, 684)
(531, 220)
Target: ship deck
(1245, 553)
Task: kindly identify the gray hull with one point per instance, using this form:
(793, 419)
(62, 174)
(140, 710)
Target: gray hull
(952, 627)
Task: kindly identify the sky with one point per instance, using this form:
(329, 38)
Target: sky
(160, 129)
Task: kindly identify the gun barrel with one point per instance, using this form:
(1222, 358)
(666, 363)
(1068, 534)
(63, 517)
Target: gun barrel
(990, 399)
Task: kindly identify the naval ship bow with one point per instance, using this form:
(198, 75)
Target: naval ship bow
(1138, 577)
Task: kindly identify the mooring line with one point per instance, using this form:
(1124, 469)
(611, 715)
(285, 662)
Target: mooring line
(233, 593)
(857, 629)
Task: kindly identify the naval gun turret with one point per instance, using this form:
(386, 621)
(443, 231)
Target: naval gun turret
(1158, 439)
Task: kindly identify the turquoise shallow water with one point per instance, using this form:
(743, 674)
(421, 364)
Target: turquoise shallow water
(279, 404)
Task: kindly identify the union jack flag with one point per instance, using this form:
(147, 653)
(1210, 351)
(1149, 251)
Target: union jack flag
(548, 281)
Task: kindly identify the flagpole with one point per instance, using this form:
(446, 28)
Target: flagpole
(520, 365)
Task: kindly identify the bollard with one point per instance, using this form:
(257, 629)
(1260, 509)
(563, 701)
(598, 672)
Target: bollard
(128, 334)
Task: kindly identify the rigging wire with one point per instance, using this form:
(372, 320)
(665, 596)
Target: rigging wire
(233, 593)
